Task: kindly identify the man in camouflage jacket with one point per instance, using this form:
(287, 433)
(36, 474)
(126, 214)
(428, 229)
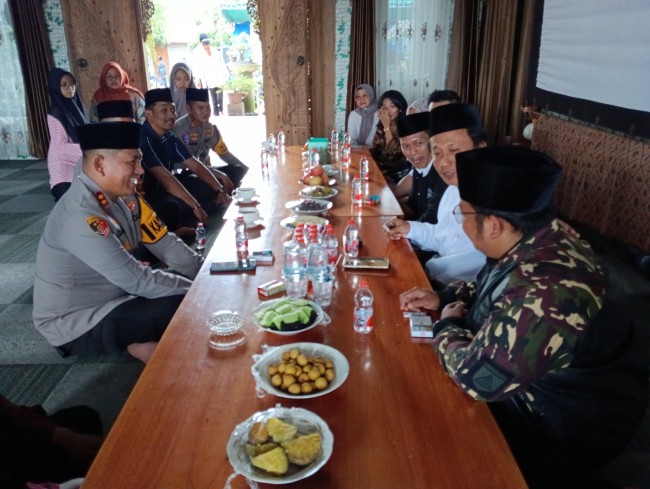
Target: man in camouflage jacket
(567, 383)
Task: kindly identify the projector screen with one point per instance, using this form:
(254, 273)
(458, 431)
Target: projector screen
(591, 61)
(597, 50)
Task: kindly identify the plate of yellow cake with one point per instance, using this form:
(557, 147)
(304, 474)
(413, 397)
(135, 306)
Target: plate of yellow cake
(280, 445)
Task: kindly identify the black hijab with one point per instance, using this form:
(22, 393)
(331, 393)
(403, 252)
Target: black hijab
(68, 111)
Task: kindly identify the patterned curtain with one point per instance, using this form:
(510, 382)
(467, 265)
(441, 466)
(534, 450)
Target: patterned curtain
(14, 142)
(35, 54)
(362, 48)
(412, 44)
(490, 57)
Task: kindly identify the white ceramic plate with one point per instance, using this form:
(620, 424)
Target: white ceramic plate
(315, 206)
(320, 315)
(315, 192)
(306, 421)
(260, 368)
(292, 222)
(241, 200)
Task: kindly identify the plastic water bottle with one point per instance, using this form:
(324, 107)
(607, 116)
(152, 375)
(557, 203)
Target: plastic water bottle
(363, 322)
(317, 261)
(357, 191)
(351, 239)
(334, 140)
(273, 143)
(331, 243)
(315, 158)
(200, 238)
(319, 274)
(293, 272)
(302, 248)
(364, 168)
(282, 140)
(347, 140)
(241, 239)
(345, 157)
(264, 158)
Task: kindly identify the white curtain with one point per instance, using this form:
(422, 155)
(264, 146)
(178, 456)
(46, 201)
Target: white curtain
(13, 116)
(412, 46)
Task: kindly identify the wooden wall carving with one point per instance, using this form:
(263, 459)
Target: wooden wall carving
(98, 32)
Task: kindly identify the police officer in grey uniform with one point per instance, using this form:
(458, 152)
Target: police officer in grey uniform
(91, 296)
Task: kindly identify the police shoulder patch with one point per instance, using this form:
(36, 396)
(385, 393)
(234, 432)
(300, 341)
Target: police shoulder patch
(98, 225)
(153, 229)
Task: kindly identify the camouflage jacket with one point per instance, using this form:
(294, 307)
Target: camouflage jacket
(528, 310)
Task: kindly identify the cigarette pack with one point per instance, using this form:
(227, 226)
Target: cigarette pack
(271, 288)
(264, 257)
(421, 326)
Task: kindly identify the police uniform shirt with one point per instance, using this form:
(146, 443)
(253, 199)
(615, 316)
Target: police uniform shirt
(84, 262)
(200, 138)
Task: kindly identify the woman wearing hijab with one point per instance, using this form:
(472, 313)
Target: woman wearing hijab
(65, 114)
(180, 79)
(363, 120)
(385, 148)
(114, 85)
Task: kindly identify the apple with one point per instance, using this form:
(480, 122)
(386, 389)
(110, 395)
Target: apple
(317, 171)
(314, 180)
(306, 178)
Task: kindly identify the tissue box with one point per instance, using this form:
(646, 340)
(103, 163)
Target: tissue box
(322, 146)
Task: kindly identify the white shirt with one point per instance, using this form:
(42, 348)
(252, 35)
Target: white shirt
(457, 258)
(354, 124)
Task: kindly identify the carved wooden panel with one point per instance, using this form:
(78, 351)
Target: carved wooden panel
(322, 76)
(284, 47)
(97, 32)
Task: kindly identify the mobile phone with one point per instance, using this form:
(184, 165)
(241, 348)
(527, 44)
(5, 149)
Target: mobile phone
(233, 266)
(366, 262)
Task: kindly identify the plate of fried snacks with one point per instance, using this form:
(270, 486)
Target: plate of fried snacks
(318, 192)
(280, 445)
(300, 370)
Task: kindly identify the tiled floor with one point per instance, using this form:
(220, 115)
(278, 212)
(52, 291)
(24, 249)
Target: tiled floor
(31, 372)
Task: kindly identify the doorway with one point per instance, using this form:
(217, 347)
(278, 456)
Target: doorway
(217, 42)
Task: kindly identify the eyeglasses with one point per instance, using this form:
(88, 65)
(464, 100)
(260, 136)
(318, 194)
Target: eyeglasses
(113, 77)
(460, 215)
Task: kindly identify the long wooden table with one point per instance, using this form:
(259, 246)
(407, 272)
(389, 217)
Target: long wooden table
(397, 421)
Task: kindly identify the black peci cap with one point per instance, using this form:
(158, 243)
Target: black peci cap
(114, 108)
(158, 95)
(453, 116)
(109, 135)
(412, 124)
(197, 95)
(507, 178)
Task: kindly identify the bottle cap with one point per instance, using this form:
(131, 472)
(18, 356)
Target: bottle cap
(363, 283)
(351, 221)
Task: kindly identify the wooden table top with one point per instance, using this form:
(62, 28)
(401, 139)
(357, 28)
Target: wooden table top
(397, 421)
(284, 175)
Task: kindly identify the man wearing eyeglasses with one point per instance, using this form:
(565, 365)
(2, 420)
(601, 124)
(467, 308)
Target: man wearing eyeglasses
(92, 296)
(565, 372)
(453, 128)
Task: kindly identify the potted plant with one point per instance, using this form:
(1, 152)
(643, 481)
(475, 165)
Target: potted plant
(238, 87)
